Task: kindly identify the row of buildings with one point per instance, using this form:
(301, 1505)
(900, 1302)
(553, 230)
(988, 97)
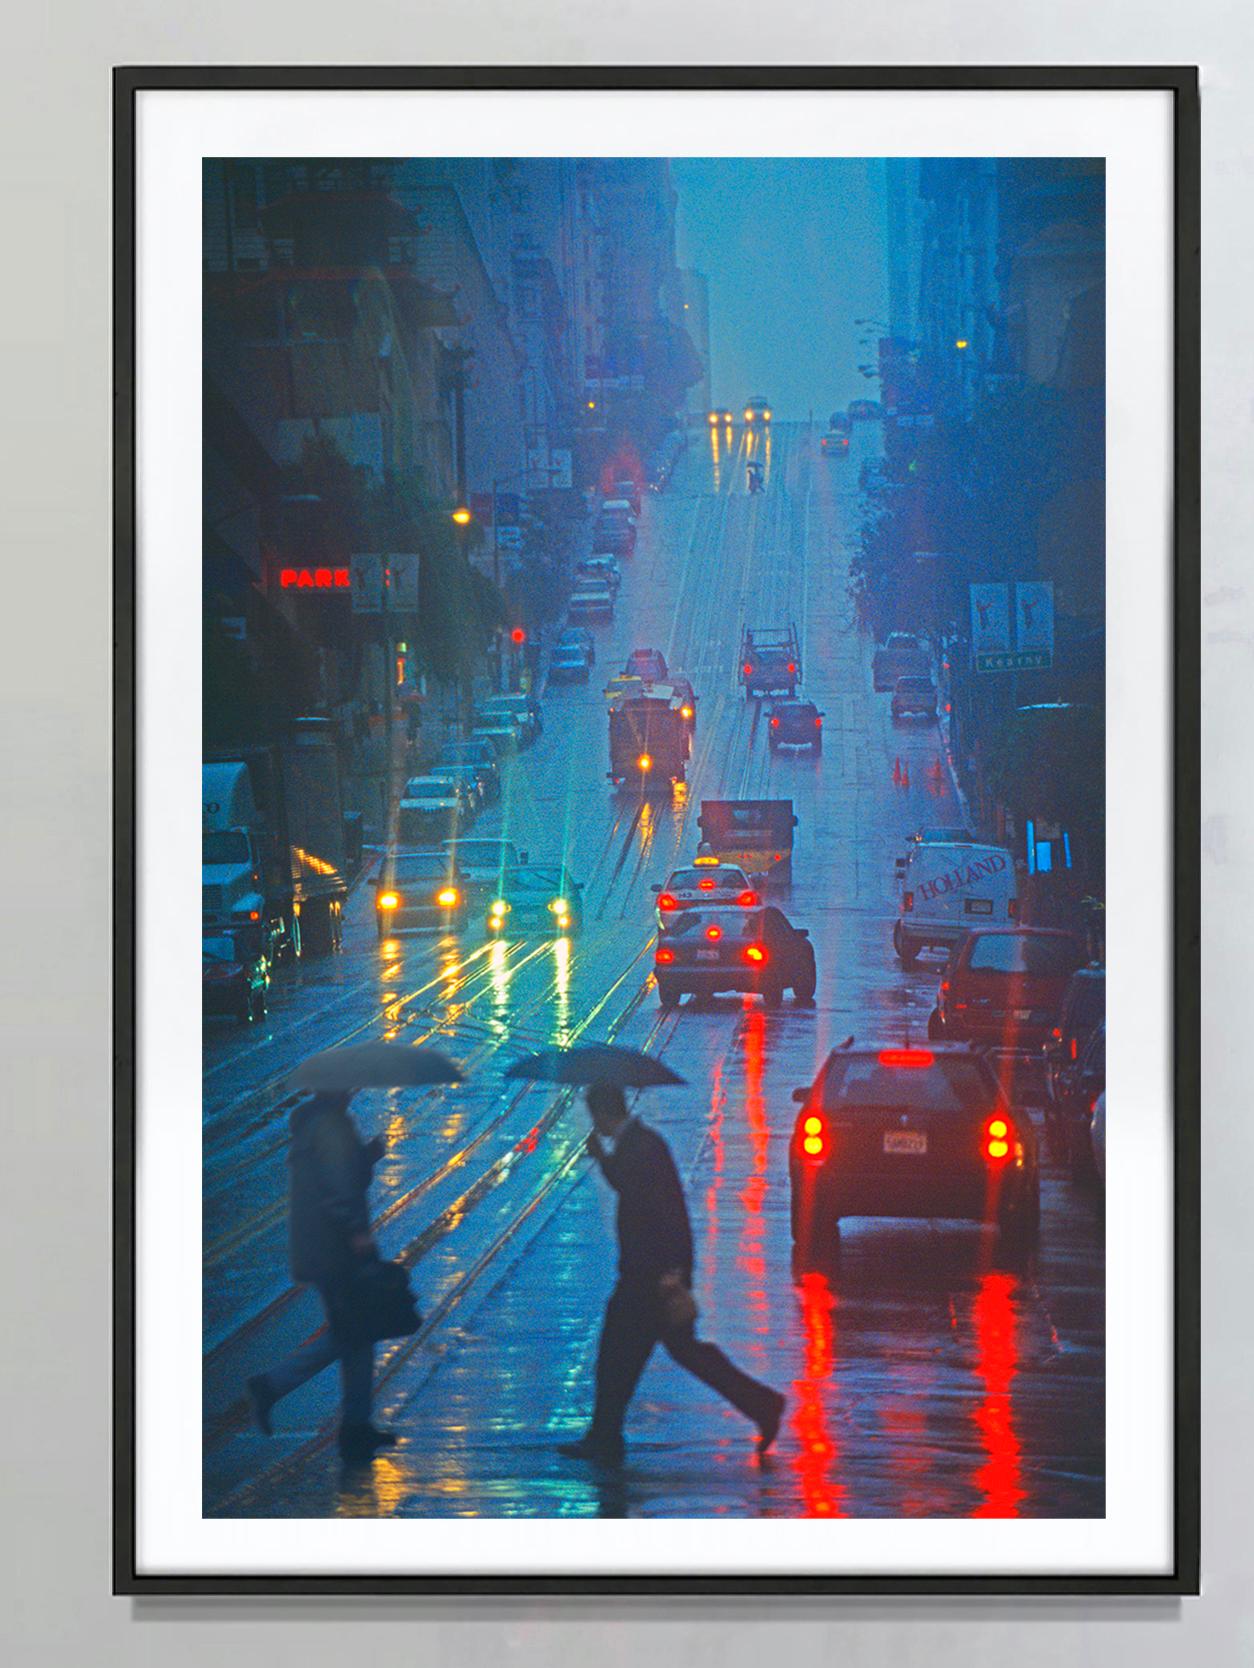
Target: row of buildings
(466, 334)
(992, 372)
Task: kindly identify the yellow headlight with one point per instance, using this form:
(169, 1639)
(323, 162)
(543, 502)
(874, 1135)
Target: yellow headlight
(748, 416)
(449, 897)
(388, 900)
(559, 906)
(766, 416)
(714, 417)
(499, 907)
(644, 762)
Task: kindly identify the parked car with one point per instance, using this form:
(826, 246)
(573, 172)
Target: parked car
(1004, 985)
(467, 776)
(432, 807)
(582, 638)
(795, 724)
(483, 756)
(705, 951)
(605, 568)
(419, 889)
(1074, 1102)
(913, 697)
(568, 663)
(1083, 1009)
(909, 1132)
(522, 710)
(544, 899)
(501, 734)
(234, 972)
(592, 599)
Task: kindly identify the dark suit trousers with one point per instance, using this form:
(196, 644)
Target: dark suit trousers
(634, 1323)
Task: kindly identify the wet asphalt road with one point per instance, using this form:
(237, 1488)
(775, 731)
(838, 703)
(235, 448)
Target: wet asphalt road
(923, 1379)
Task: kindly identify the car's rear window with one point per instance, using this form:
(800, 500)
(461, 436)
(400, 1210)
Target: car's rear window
(533, 880)
(733, 924)
(1020, 953)
(691, 880)
(862, 1082)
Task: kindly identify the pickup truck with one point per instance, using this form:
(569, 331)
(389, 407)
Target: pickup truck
(770, 660)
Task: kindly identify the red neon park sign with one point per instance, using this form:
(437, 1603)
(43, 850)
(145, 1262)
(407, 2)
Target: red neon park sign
(315, 579)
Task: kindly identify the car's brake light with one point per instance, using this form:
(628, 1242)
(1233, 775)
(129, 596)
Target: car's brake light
(664, 956)
(389, 900)
(792, 665)
(756, 953)
(748, 900)
(1056, 1033)
(707, 885)
(997, 1133)
(714, 934)
(1075, 1048)
(813, 1135)
(818, 723)
(685, 712)
(779, 857)
(748, 669)
(775, 723)
(944, 984)
(907, 902)
(916, 1059)
(667, 901)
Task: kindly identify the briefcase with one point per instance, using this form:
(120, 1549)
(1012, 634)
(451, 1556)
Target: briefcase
(377, 1302)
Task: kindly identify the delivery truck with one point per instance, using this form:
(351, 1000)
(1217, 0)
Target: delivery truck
(273, 841)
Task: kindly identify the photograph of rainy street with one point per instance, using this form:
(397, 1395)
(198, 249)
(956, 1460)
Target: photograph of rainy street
(653, 869)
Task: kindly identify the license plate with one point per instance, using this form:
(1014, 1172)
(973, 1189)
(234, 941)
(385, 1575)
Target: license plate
(707, 955)
(905, 1141)
(979, 906)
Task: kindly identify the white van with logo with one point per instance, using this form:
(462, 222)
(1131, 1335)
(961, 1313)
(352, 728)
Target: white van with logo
(947, 889)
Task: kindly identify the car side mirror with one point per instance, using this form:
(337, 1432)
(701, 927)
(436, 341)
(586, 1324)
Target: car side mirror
(801, 1096)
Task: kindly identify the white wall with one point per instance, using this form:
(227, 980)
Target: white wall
(54, 1228)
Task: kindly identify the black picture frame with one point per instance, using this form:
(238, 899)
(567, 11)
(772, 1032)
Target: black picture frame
(1182, 83)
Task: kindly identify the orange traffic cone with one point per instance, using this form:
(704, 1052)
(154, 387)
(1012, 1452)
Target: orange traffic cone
(897, 770)
(905, 776)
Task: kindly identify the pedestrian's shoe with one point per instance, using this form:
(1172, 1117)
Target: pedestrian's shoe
(261, 1399)
(768, 1425)
(600, 1450)
(363, 1442)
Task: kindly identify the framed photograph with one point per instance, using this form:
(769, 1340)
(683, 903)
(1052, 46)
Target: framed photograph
(657, 632)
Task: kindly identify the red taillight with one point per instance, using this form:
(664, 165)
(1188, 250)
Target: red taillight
(748, 900)
(756, 953)
(779, 857)
(663, 956)
(818, 723)
(813, 1135)
(1056, 1033)
(944, 984)
(998, 1134)
(907, 902)
(775, 723)
(792, 665)
(748, 670)
(1093, 1104)
(1075, 1048)
(714, 934)
(914, 1059)
(666, 901)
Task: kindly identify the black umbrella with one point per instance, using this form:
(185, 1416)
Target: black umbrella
(377, 1065)
(595, 1063)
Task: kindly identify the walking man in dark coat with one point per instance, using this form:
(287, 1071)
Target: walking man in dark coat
(329, 1169)
(652, 1302)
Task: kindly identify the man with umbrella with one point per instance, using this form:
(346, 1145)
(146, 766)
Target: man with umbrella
(652, 1302)
(329, 1168)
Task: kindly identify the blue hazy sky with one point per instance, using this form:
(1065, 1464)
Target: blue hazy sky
(794, 253)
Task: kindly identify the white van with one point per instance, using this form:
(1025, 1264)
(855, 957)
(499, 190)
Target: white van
(946, 889)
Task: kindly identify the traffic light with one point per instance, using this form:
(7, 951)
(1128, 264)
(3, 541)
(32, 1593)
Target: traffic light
(518, 636)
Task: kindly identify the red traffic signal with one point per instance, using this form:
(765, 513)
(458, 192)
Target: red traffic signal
(518, 635)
